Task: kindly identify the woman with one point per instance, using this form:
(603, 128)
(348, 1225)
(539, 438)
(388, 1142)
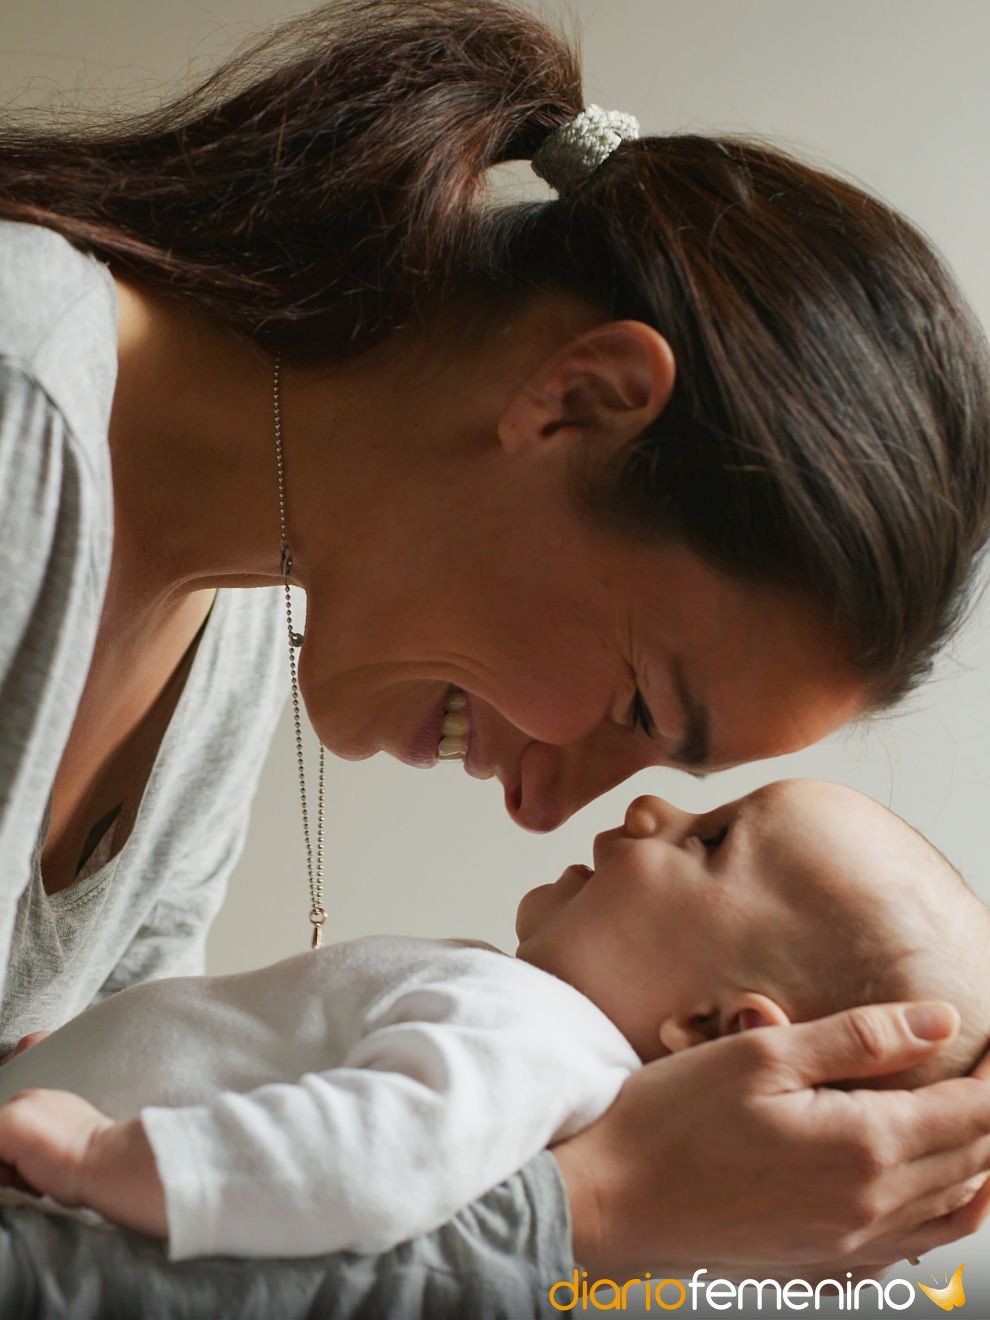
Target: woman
(686, 467)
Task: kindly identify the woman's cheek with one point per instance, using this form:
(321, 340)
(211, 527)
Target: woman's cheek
(554, 714)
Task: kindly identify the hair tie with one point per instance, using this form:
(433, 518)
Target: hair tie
(573, 150)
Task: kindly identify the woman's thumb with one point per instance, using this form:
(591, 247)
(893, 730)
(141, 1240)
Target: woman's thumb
(868, 1041)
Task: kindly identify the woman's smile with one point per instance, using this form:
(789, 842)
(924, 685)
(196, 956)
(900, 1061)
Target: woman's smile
(449, 733)
(423, 750)
(455, 728)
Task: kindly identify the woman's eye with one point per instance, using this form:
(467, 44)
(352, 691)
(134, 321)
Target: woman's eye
(640, 716)
(715, 839)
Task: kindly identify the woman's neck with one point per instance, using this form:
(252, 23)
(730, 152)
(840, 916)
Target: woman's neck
(192, 451)
(193, 443)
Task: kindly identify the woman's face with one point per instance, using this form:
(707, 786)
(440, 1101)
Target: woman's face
(551, 630)
(465, 563)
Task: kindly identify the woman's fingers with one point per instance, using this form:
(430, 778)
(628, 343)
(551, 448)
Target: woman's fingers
(32, 1038)
(936, 1233)
(949, 1116)
(738, 1146)
(936, 1174)
(912, 1219)
(934, 1221)
(976, 1213)
(921, 1156)
(957, 1212)
(982, 1069)
(872, 1040)
(23, 1044)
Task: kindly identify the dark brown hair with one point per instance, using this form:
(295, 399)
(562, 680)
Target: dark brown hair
(830, 425)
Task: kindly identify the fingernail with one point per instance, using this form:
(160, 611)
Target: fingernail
(931, 1021)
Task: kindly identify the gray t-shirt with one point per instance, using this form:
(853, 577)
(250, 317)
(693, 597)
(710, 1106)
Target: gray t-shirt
(142, 911)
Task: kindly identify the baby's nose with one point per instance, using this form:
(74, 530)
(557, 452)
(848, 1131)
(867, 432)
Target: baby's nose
(647, 814)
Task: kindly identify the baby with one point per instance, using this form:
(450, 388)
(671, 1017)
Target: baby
(354, 1096)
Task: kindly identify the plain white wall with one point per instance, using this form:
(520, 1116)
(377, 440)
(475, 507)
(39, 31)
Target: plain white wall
(893, 92)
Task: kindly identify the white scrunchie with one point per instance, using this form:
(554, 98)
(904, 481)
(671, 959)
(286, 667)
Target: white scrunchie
(572, 151)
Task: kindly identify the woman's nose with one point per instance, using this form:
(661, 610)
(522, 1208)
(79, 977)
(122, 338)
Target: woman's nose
(556, 781)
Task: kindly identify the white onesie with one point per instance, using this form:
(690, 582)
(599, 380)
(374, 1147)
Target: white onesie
(343, 1099)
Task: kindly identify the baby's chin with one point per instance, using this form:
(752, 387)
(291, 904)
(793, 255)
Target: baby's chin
(537, 905)
(535, 944)
(530, 913)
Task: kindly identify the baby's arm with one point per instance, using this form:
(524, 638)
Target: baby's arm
(424, 1117)
(439, 1102)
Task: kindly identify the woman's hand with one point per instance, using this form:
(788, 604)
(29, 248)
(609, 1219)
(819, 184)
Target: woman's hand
(23, 1044)
(55, 1142)
(733, 1156)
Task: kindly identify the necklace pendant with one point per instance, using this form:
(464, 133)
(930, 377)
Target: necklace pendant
(317, 916)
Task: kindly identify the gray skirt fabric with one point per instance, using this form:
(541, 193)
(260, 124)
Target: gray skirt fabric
(495, 1260)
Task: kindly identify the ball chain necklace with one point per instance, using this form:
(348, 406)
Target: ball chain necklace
(317, 912)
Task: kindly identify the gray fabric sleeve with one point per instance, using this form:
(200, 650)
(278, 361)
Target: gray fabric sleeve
(49, 590)
(495, 1260)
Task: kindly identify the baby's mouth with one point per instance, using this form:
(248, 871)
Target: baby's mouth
(455, 728)
(581, 872)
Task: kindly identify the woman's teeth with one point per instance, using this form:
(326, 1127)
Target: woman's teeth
(455, 729)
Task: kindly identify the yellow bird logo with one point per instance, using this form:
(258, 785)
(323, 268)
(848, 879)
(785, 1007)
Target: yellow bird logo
(951, 1295)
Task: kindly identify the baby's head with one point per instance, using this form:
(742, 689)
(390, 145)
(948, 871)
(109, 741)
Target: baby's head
(799, 900)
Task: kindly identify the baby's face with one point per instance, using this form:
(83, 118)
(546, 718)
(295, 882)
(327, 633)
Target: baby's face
(689, 925)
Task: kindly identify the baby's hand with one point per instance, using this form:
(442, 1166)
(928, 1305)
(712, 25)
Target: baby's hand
(56, 1142)
(44, 1139)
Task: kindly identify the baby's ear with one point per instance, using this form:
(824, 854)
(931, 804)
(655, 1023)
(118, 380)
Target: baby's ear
(745, 1010)
(681, 1030)
(741, 1010)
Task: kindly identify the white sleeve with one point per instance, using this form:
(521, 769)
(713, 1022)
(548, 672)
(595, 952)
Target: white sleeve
(424, 1117)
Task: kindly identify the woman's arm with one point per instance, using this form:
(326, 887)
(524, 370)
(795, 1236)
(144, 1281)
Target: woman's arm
(736, 1155)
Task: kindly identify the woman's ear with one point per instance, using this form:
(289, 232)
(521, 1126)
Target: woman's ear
(608, 383)
(746, 1010)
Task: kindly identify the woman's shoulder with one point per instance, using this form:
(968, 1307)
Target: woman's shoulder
(58, 370)
(58, 325)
